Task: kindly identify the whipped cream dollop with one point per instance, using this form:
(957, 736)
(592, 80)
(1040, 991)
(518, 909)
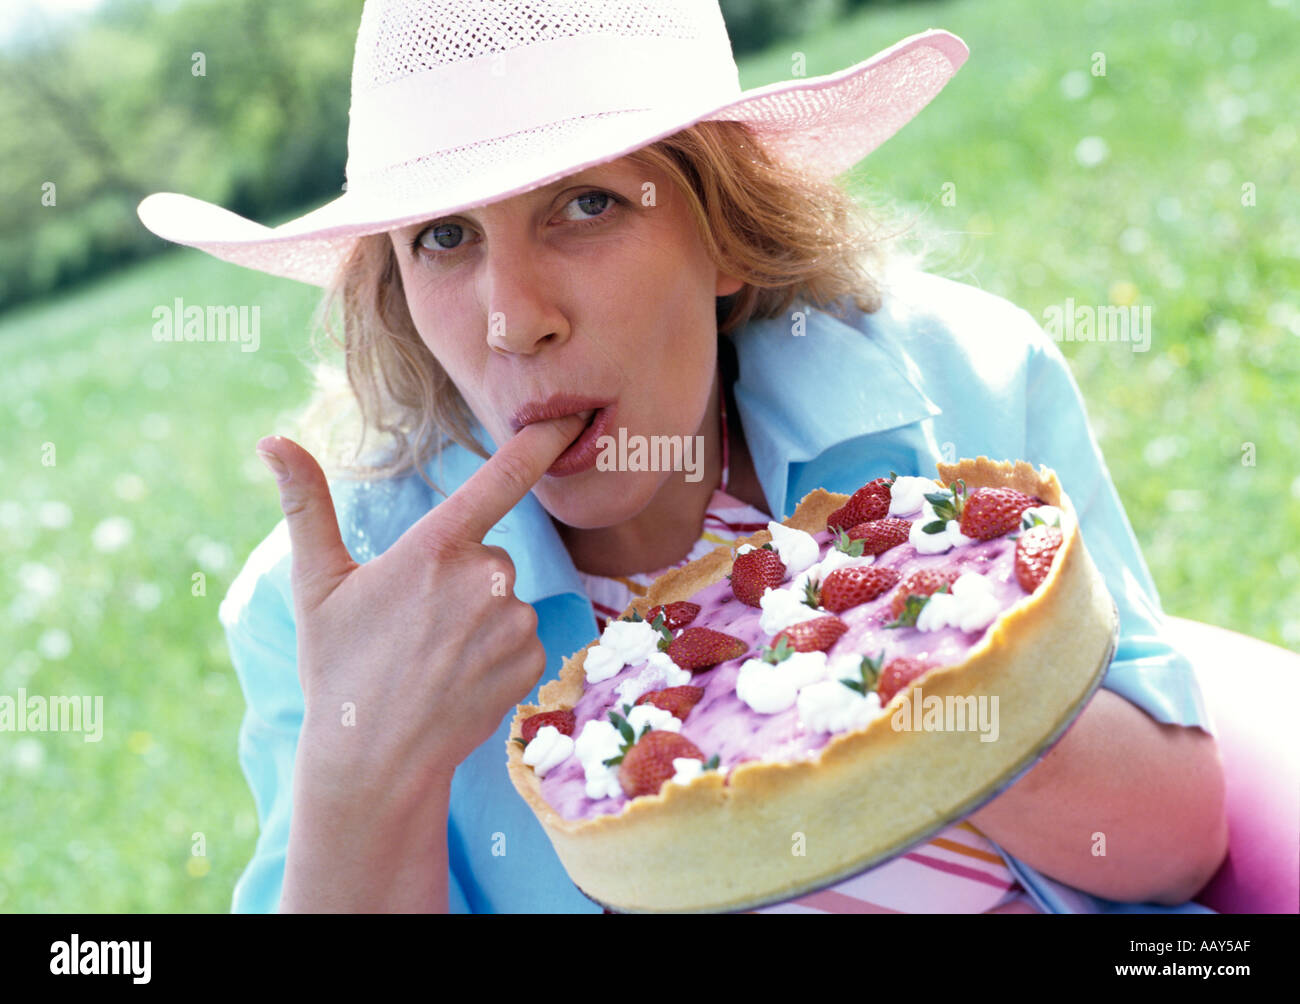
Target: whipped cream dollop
(653, 716)
(783, 607)
(1049, 514)
(907, 494)
(598, 742)
(601, 740)
(970, 606)
(829, 706)
(549, 748)
(772, 687)
(835, 558)
(798, 550)
(622, 643)
(686, 769)
(660, 672)
(936, 543)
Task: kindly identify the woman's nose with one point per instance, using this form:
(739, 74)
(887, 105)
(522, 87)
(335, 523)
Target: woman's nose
(523, 309)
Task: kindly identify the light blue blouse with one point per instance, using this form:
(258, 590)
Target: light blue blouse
(941, 371)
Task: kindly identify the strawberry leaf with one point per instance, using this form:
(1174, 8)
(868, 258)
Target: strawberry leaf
(911, 610)
(711, 763)
(659, 626)
(777, 653)
(935, 526)
(613, 761)
(520, 741)
(623, 725)
(853, 548)
(812, 594)
(869, 671)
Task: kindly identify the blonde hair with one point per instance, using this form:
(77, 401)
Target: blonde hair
(787, 236)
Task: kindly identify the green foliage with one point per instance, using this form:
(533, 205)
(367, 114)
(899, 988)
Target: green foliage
(113, 111)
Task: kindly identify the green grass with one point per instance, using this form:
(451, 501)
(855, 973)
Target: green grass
(1193, 104)
(161, 436)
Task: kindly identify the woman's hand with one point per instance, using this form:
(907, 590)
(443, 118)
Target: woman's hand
(407, 662)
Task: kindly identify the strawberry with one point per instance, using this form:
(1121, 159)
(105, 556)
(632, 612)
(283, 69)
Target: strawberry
(869, 502)
(649, 762)
(677, 701)
(897, 675)
(923, 582)
(754, 571)
(1035, 551)
(879, 535)
(991, 512)
(815, 635)
(676, 615)
(856, 584)
(702, 648)
(562, 720)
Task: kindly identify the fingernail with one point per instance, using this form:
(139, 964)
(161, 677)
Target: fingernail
(276, 465)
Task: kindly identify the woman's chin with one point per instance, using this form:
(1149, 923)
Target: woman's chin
(595, 499)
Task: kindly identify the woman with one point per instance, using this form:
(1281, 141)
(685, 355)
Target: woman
(554, 231)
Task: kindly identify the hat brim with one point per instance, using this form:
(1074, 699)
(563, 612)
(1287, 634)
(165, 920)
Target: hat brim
(822, 125)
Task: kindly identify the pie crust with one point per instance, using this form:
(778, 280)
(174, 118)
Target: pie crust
(732, 842)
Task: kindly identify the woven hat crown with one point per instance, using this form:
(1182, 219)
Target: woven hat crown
(535, 64)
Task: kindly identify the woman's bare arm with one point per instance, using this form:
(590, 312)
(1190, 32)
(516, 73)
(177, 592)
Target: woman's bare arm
(1153, 793)
(383, 853)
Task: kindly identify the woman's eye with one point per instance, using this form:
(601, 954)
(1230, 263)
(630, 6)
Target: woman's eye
(441, 239)
(446, 236)
(590, 205)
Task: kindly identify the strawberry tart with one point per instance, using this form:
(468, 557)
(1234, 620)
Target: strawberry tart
(775, 717)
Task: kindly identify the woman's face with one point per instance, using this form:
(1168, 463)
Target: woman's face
(595, 288)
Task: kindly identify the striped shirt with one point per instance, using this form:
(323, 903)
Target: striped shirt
(956, 871)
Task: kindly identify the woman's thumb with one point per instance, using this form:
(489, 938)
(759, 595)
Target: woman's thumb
(320, 559)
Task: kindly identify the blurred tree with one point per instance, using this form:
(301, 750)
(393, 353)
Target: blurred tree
(116, 108)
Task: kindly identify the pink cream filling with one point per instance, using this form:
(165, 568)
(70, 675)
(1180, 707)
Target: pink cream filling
(723, 724)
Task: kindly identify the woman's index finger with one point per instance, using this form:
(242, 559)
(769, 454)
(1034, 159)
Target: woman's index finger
(505, 478)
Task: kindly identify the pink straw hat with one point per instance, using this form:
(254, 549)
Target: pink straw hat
(460, 103)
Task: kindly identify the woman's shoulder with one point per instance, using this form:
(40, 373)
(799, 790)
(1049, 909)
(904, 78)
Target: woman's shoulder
(927, 312)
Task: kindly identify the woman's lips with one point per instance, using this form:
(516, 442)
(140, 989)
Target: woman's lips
(581, 454)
